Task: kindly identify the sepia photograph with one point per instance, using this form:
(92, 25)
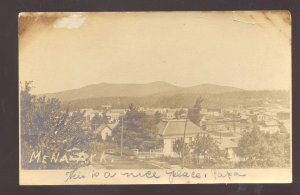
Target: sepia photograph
(188, 97)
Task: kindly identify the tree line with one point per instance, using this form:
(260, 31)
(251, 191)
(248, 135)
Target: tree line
(223, 100)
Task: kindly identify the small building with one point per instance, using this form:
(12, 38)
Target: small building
(170, 115)
(89, 113)
(283, 115)
(285, 126)
(213, 126)
(270, 127)
(229, 145)
(173, 130)
(212, 123)
(113, 116)
(105, 130)
(106, 107)
(214, 111)
(266, 116)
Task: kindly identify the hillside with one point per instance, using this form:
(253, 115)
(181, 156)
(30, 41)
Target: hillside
(200, 89)
(211, 88)
(113, 90)
(158, 88)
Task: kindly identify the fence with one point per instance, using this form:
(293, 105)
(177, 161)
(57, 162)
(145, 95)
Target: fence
(150, 154)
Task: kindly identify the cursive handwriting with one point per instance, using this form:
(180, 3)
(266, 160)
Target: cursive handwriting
(226, 174)
(74, 174)
(146, 174)
(180, 174)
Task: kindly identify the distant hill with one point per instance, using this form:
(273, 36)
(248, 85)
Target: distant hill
(202, 89)
(211, 88)
(158, 88)
(113, 90)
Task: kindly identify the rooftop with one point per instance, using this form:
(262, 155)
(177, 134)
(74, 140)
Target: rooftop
(176, 127)
(112, 126)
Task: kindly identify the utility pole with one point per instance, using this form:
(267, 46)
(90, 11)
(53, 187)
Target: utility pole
(184, 132)
(183, 142)
(122, 137)
(234, 127)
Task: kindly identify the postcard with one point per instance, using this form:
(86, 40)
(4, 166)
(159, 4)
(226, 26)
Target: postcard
(189, 97)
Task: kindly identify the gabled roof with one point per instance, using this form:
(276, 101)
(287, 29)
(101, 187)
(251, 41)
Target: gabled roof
(110, 126)
(171, 128)
(101, 127)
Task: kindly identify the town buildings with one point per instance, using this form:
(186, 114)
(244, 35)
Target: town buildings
(224, 125)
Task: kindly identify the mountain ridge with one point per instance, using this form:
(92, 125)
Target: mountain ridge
(136, 90)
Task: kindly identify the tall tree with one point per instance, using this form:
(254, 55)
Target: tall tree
(207, 147)
(105, 118)
(157, 117)
(177, 147)
(47, 128)
(259, 149)
(96, 121)
(139, 130)
(194, 112)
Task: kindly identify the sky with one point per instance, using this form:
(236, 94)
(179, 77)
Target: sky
(62, 51)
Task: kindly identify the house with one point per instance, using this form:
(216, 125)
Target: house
(170, 115)
(270, 127)
(285, 126)
(172, 130)
(212, 123)
(283, 115)
(213, 126)
(214, 111)
(106, 107)
(115, 114)
(105, 130)
(211, 111)
(266, 116)
(229, 145)
(152, 111)
(89, 113)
